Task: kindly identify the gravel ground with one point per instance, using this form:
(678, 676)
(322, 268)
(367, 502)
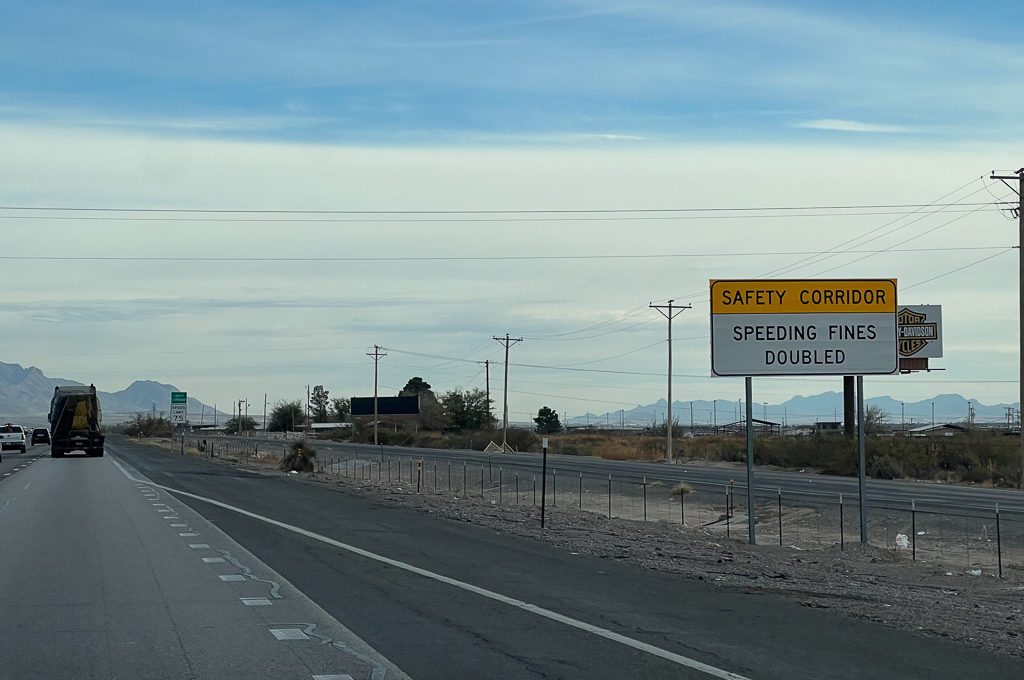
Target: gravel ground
(861, 582)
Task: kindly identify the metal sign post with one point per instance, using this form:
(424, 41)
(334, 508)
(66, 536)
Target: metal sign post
(543, 480)
(751, 532)
(861, 463)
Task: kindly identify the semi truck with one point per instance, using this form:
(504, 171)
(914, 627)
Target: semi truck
(75, 421)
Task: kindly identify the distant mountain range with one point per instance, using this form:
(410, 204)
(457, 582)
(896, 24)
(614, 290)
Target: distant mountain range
(827, 406)
(26, 393)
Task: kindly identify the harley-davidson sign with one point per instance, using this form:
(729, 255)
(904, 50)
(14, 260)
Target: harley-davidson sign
(919, 331)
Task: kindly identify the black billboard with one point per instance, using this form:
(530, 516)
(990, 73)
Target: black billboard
(386, 406)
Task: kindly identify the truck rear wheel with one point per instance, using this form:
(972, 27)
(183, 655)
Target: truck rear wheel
(95, 453)
(55, 453)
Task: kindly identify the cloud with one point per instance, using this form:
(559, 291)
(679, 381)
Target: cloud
(840, 125)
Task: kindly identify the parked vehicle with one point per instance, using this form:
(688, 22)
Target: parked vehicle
(75, 421)
(40, 435)
(12, 437)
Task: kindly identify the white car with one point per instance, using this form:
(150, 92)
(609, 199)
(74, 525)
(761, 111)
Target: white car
(12, 437)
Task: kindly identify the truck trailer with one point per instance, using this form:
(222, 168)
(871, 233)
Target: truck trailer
(75, 421)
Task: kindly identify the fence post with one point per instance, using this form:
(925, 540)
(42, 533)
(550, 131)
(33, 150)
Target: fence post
(389, 470)
(913, 530)
(490, 471)
(554, 487)
(780, 516)
(465, 486)
(449, 476)
(581, 491)
(728, 511)
(999, 543)
(435, 477)
(501, 487)
(842, 525)
(645, 498)
(419, 475)
(481, 481)
(609, 496)
(535, 491)
(517, 488)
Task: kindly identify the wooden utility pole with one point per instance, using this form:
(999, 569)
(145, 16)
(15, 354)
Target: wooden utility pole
(487, 384)
(376, 356)
(669, 312)
(1019, 176)
(506, 342)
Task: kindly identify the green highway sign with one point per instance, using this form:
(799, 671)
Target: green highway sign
(179, 397)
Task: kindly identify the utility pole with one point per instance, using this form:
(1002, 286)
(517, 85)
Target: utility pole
(238, 422)
(376, 356)
(669, 312)
(487, 385)
(306, 426)
(1019, 176)
(507, 342)
(264, 413)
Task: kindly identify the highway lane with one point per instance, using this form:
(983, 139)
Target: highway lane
(436, 629)
(899, 493)
(103, 577)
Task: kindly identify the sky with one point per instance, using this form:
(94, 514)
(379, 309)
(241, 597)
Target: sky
(399, 119)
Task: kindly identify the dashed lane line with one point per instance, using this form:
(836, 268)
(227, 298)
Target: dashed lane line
(678, 659)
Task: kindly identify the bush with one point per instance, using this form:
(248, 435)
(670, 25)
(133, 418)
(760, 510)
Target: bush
(885, 467)
(682, 489)
(521, 440)
(301, 457)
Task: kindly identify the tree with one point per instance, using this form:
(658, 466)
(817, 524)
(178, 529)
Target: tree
(416, 385)
(466, 410)
(547, 421)
(874, 419)
(341, 408)
(432, 416)
(231, 425)
(318, 403)
(147, 425)
(286, 416)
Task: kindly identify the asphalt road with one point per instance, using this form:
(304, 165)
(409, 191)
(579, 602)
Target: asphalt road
(897, 493)
(444, 600)
(102, 576)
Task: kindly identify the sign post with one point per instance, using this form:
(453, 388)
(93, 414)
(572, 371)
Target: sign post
(801, 327)
(543, 480)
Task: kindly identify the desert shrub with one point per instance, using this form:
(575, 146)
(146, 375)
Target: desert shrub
(885, 467)
(521, 439)
(301, 457)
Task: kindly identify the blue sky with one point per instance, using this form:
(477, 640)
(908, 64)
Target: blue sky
(583, 71)
(565, 106)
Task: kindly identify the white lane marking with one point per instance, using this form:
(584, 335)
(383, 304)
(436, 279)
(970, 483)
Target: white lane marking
(164, 510)
(177, 526)
(28, 485)
(189, 534)
(256, 601)
(288, 634)
(197, 546)
(679, 659)
(234, 578)
(7, 474)
(343, 676)
(213, 560)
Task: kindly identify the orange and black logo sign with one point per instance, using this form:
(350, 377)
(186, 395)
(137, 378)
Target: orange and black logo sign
(914, 332)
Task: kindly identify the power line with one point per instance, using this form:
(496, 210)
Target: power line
(469, 258)
(595, 211)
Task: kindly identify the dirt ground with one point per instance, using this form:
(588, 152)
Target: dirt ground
(861, 582)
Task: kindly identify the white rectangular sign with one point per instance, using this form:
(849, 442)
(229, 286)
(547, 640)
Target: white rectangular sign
(803, 327)
(178, 413)
(920, 331)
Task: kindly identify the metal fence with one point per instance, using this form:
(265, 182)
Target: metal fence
(952, 538)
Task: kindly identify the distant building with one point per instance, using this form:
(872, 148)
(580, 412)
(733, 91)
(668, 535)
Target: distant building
(828, 427)
(937, 430)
